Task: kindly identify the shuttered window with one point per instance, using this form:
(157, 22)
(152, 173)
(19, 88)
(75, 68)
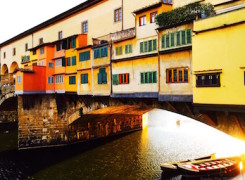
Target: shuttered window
(120, 79)
(100, 52)
(63, 61)
(119, 50)
(177, 75)
(148, 46)
(68, 61)
(84, 56)
(74, 60)
(148, 77)
(128, 49)
(72, 80)
(102, 76)
(73, 43)
(84, 78)
(163, 41)
(178, 38)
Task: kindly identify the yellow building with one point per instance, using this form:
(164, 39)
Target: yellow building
(135, 59)
(218, 61)
(175, 49)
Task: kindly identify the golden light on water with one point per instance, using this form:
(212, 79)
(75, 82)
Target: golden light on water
(241, 166)
(145, 120)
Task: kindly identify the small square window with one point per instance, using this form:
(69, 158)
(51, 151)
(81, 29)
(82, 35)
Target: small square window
(153, 17)
(26, 47)
(85, 27)
(118, 15)
(14, 51)
(142, 21)
(40, 40)
(60, 35)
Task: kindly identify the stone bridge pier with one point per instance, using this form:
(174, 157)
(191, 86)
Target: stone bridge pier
(50, 120)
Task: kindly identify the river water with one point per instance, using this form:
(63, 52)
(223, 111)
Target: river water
(168, 137)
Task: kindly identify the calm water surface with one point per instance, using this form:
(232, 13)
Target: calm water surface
(169, 137)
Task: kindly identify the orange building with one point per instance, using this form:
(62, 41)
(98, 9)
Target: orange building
(31, 80)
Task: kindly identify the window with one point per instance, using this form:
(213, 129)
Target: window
(167, 1)
(58, 46)
(72, 80)
(118, 15)
(4, 55)
(14, 51)
(73, 42)
(84, 56)
(177, 75)
(18, 79)
(142, 21)
(68, 61)
(100, 52)
(148, 46)
(60, 35)
(59, 79)
(50, 65)
(85, 27)
(58, 62)
(40, 40)
(34, 52)
(119, 50)
(41, 63)
(153, 17)
(120, 79)
(74, 60)
(84, 78)
(177, 38)
(148, 77)
(42, 50)
(102, 76)
(128, 49)
(26, 47)
(208, 80)
(50, 80)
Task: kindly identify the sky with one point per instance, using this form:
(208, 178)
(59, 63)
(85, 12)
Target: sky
(17, 16)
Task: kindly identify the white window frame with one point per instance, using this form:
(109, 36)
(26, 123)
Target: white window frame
(50, 80)
(18, 80)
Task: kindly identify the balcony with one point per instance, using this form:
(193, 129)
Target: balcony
(120, 35)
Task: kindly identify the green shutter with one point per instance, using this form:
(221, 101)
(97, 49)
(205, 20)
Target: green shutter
(167, 41)
(99, 78)
(115, 79)
(189, 36)
(117, 51)
(104, 78)
(86, 79)
(163, 42)
(130, 48)
(68, 61)
(126, 49)
(74, 60)
(149, 45)
(82, 79)
(150, 77)
(142, 78)
(154, 77)
(141, 47)
(63, 61)
(81, 57)
(120, 50)
(145, 46)
(178, 38)
(73, 43)
(172, 39)
(154, 44)
(183, 37)
(102, 70)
